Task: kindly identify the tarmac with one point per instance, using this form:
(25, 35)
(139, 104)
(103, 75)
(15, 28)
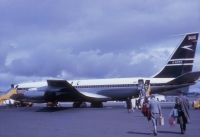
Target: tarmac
(113, 120)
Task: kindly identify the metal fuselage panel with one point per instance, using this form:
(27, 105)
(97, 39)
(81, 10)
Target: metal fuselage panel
(115, 89)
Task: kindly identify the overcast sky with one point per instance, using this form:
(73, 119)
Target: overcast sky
(78, 39)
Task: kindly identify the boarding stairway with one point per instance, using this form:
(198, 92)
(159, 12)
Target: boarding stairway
(7, 95)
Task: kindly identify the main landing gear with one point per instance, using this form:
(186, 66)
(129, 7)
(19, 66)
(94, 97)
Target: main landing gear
(79, 105)
(97, 104)
(84, 105)
(52, 104)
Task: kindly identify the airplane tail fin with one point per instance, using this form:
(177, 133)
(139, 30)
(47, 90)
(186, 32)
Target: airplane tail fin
(182, 59)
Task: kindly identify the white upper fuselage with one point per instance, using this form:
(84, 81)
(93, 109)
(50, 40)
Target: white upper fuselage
(98, 82)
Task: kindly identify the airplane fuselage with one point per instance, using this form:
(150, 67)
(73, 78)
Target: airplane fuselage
(113, 89)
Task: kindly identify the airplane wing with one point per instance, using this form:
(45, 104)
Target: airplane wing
(64, 86)
(60, 84)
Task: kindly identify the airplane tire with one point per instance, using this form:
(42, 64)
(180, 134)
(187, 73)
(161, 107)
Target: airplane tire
(30, 104)
(52, 104)
(83, 105)
(97, 104)
(76, 104)
(79, 105)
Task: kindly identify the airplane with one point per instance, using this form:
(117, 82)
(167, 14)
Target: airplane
(175, 76)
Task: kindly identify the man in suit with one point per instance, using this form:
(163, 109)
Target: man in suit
(182, 106)
(155, 110)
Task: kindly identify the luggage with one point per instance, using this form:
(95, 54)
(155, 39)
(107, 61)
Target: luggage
(174, 112)
(161, 121)
(172, 121)
(146, 112)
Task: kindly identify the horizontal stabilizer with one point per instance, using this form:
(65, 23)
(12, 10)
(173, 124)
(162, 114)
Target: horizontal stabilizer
(189, 77)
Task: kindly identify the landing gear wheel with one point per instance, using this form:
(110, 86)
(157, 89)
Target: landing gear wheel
(79, 105)
(30, 104)
(97, 104)
(52, 104)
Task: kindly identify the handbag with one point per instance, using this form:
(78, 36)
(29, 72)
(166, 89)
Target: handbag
(145, 110)
(161, 121)
(172, 121)
(175, 112)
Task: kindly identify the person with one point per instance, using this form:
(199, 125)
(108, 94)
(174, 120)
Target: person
(133, 102)
(129, 104)
(145, 108)
(182, 106)
(137, 102)
(155, 111)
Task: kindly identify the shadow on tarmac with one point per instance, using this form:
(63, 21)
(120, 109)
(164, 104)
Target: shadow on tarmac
(150, 134)
(168, 132)
(52, 109)
(139, 133)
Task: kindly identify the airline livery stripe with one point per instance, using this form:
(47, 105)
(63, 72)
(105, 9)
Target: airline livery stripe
(115, 85)
(187, 64)
(106, 86)
(182, 59)
(181, 62)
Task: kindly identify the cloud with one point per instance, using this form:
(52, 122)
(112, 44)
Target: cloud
(90, 39)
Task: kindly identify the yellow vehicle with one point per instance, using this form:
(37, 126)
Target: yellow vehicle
(7, 95)
(196, 104)
(6, 99)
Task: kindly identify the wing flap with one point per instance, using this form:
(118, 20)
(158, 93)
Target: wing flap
(93, 95)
